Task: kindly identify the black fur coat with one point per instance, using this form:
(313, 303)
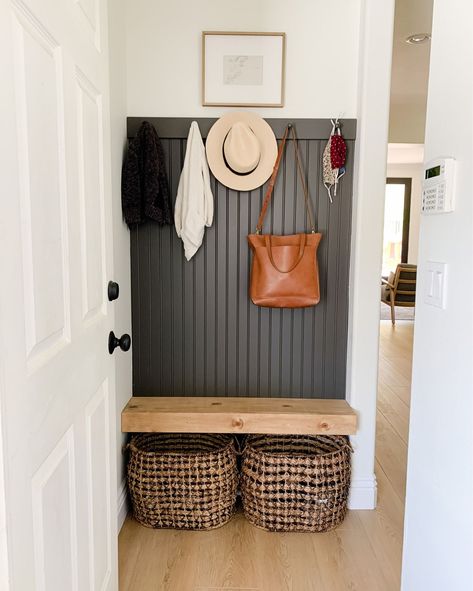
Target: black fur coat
(145, 188)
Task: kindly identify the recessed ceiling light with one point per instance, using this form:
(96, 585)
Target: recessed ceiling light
(418, 38)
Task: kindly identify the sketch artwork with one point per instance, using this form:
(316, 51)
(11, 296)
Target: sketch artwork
(243, 70)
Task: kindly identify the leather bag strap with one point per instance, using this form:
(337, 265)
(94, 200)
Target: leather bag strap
(272, 181)
(269, 248)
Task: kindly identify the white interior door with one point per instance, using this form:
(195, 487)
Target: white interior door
(56, 375)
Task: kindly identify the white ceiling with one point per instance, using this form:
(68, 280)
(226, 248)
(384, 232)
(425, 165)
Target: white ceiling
(410, 71)
(405, 153)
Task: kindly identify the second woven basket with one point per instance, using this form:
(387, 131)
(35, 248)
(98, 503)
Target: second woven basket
(295, 483)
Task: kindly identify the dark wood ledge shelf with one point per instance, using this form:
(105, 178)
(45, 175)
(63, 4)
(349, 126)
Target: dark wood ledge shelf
(172, 127)
(158, 414)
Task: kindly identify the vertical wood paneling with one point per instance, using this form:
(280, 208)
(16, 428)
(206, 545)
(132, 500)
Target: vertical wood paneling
(164, 328)
(244, 229)
(188, 313)
(221, 198)
(136, 306)
(320, 312)
(343, 273)
(290, 203)
(199, 323)
(254, 313)
(232, 219)
(156, 326)
(195, 331)
(211, 297)
(176, 292)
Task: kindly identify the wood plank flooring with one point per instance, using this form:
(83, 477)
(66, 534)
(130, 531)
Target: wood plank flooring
(364, 554)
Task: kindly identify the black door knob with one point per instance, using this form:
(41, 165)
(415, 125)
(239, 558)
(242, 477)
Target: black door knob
(113, 291)
(124, 342)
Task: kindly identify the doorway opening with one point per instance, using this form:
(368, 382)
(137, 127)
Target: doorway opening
(409, 86)
(397, 212)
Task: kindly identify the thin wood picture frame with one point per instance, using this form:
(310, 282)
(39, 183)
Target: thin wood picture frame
(243, 69)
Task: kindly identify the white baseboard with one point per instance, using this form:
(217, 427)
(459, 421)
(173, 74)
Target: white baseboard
(122, 502)
(363, 493)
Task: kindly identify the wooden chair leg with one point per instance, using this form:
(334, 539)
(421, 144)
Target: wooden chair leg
(393, 313)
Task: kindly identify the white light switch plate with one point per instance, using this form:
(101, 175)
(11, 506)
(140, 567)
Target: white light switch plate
(435, 284)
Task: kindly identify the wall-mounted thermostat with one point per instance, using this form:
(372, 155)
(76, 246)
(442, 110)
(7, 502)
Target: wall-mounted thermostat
(439, 186)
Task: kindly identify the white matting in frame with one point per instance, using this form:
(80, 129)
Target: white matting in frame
(243, 69)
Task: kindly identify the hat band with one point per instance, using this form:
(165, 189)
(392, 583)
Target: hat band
(228, 165)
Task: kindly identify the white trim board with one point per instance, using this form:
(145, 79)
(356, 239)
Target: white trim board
(363, 493)
(374, 75)
(122, 504)
(4, 555)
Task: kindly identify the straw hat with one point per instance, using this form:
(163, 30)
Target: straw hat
(241, 150)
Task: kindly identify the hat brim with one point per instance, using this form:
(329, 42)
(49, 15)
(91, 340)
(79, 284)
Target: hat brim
(215, 156)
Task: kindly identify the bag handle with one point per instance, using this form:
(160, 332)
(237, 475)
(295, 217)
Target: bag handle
(272, 181)
(302, 240)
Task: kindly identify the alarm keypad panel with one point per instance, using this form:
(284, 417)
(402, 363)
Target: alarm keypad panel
(438, 186)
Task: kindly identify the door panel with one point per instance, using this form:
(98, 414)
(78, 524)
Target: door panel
(90, 16)
(58, 396)
(40, 123)
(53, 490)
(98, 479)
(90, 151)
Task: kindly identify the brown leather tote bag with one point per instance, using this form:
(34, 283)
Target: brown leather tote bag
(284, 271)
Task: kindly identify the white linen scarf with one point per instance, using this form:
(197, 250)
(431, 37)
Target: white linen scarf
(194, 207)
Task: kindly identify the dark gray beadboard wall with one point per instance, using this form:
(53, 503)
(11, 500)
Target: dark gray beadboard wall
(195, 330)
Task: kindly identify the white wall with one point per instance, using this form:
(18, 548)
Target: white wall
(414, 172)
(438, 541)
(121, 235)
(164, 53)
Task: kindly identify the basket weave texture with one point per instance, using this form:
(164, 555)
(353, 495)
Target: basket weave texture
(296, 483)
(182, 481)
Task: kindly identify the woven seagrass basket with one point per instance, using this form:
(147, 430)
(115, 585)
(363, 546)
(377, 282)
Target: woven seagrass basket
(296, 483)
(182, 481)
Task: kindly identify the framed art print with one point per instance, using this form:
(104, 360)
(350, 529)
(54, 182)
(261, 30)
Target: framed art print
(243, 69)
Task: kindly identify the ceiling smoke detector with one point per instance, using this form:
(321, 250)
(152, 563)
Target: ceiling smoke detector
(418, 38)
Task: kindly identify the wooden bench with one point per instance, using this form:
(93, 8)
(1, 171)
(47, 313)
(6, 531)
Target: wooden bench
(157, 414)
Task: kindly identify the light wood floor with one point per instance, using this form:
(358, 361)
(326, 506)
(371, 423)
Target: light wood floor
(364, 554)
